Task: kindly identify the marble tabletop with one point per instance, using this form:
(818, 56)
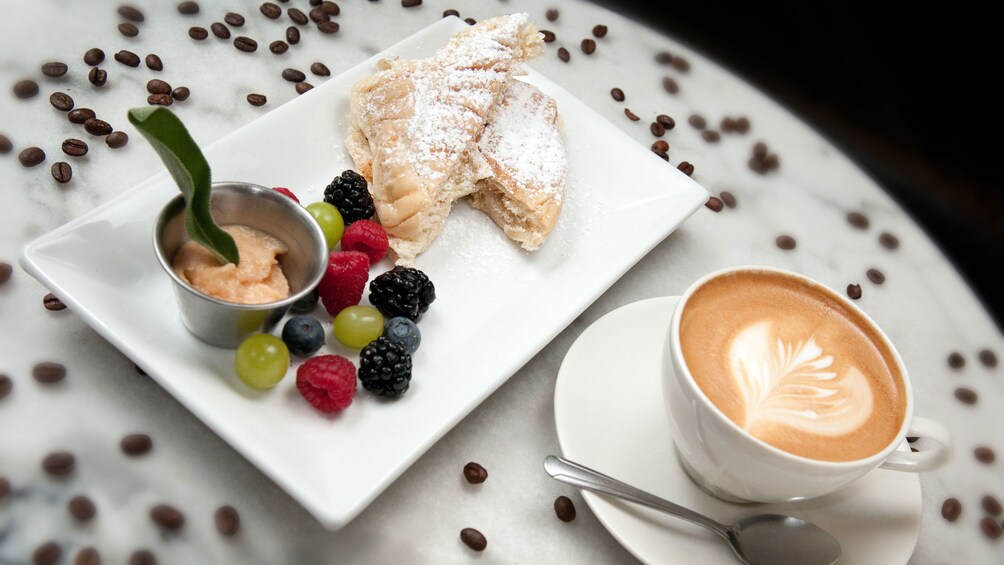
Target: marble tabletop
(923, 304)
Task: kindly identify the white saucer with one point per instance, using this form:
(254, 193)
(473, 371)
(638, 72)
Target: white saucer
(609, 414)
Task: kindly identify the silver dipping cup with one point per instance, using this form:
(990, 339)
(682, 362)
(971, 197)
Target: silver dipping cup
(226, 324)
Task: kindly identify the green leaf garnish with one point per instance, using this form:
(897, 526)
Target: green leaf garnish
(191, 172)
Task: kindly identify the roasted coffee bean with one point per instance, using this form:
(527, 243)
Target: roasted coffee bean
(181, 93)
(951, 509)
(97, 126)
(728, 198)
(302, 87)
(697, 121)
(227, 520)
(61, 101)
(411, 3)
(631, 115)
(129, 30)
(278, 47)
(62, 172)
(245, 44)
(714, 204)
(711, 136)
(727, 125)
(670, 85)
(452, 12)
(966, 395)
(220, 30)
(293, 75)
(292, 35)
(31, 156)
(551, 15)
(25, 89)
(564, 508)
(159, 100)
(46, 554)
(167, 517)
(298, 17)
(991, 505)
(588, 46)
(127, 58)
(136, 444)
(330, 8)
(4, 483)
(988, 358)
(257, 99)
(5, 145)
(97, 76)
(131, 13)
(657, 129)
(888, 240)
(680, 64)
(786, 242)
(660, 145)
(54, 69)
(662, 154)
(117, 139)
(742, 125)
(59, 463)
(87, 556)
(80, 115)
(600, 30)
(666, 121)
(82, 508)
(317, 16)
(760, 150)
(617, 94)
(6, 385)
(234, 19)
(475, 473)
(157, 86)
(154, 63)
(142, 557)
(984, 455)
(858, 220)
(549, 36)
(772, 161)
(320, 69)
(991, 528)
(875, 276)
(664, 57)
(52, 303)
(198, 33)
(956, 360)
(270, 10)
(854, 291)
(563, 54)
(48, 372)
(328, 27)
(473, 539)
(188, 8)
(470, 21)
(686, 167)
(94, 56)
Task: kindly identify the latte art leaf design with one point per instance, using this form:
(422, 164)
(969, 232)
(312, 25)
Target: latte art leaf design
(794, 384)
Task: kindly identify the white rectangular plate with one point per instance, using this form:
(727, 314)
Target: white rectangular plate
(497, 305)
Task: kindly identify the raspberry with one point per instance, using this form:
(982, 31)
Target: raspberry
(368, 237)
(287, 192)
(344, 280)
(328, 382)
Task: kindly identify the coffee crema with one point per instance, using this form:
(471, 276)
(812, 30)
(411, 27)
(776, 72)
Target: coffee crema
(793, 366)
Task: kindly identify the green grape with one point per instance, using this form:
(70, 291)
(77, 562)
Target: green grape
(356, 326)
(330, 220)
(261, 361)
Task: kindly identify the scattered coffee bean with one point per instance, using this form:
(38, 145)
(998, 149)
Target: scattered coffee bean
(984, 455)
(854, 291)
(617, 94)
(31, 156)
(727, 125)
(220, 30)
(97, 76)
(6, 385)
(157, 86)
(4, 486)
(662, 154)
(159, 100)
(80, 115)
(563, 54)
(5, 145)
(270, 10)
(475, 473)
(991, 505)
(154, 63)
(328, 27)
(257, 99)
(858, 220)
(25, 89)
(956, 360)
(293, 75)
(666, 121)
(320, 69)
(278, 47)
(473, 538)
(188, 8)
(988, 358)
(298, 17)
(912, 439)
(302, 87)
(664, 58)
(59, 463)
(760, 149)
(46, 554)
(131, 13)
(452, 12)
(245, 44)
(786, 242)
(142, 557)
(875, 276)
(711, 136)
(600, 30)
(697, 121)
(686, 168)
(330, 8)
(549, 36)
(129, 30)
(167, 517)
(991, 528)
(48, 372)
(951, 509)
(234, 19)
(588, 46)
(551, 15)
(317, 16)
(657, 129)
(680, 64)
(742, 125)
(62, 172)
(888, 240)
(127, 58)
(564, 508)
(97, 126)
(117, 139)
(82, 508)
(87, 556)
(631, 115)
(198, 33)
(660, 145)
(227, 520)
(292, 35)
(52, 303)
(772, 162)
(136, 444)
(714, 204)
(728, 198)
(966, 395)
(411, 3)
(61, 101)
(94, 56)
(54, 69)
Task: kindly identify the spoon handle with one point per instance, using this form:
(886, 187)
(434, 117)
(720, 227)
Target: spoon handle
(583, 477)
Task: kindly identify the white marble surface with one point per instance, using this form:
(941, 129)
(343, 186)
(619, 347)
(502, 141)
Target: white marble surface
(924, 305)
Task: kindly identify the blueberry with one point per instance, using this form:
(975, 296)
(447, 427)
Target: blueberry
(305, 304)
(303, 335)
(403, 331)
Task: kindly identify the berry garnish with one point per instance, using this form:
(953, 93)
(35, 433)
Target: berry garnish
(305, 304)
(344, 280)
(356, 326)
(404, 332)
(402, 291)
(287, 192)
(328, 382)
(366, 236)
(330, 220)
(303, 335)
(261, 361)
(385, 368)
(348, 193)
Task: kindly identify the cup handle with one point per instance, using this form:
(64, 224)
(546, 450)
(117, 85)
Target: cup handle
(926, 459)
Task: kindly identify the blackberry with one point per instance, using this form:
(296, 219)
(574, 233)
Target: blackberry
(402, 291)
(385, 368)
(348, 193)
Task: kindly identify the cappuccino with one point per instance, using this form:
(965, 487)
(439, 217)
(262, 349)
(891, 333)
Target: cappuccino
(793, 365)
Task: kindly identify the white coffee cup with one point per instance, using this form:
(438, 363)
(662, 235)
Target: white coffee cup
(730, 463)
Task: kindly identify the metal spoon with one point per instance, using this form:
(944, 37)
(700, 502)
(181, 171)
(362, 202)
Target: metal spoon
(764, 538)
